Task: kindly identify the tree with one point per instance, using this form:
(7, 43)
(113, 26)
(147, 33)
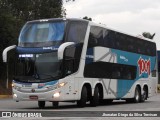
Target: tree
(148, 35)
(36, 9)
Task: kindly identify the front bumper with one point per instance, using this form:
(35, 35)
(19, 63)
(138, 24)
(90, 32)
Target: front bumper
(39, 96)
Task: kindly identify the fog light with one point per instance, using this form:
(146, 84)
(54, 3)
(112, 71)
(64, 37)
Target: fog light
(15, 95)
(12, 85)
(56, 94)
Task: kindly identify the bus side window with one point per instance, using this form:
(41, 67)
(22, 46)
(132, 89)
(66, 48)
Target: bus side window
(92, 41)
(76, 32)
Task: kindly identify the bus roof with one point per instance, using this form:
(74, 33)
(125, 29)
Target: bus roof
(92, 24)
(104, 26)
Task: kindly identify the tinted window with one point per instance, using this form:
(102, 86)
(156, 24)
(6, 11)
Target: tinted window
(77, 31)
(111, 39)
(110, 70)
(39, 34)
(72, 58)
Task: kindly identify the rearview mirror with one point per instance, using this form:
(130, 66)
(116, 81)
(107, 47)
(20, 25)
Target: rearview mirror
(62, 48)
(5, 51)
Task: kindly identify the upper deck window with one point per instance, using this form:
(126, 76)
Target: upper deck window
(77, 31)
(41, 33)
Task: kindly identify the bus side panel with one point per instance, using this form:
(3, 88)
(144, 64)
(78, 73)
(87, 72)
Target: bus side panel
(145, 65)
(103, 54)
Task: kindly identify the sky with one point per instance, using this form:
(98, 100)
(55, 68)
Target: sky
(129, 16)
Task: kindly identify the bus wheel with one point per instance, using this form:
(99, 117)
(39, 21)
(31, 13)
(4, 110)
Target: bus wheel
(95, 99)
(41, 104)
(144, 95)
(83, 100)
(137, 95)
(55, 104)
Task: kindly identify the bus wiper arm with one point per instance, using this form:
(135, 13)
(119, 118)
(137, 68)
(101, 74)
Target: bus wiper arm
(40, 76)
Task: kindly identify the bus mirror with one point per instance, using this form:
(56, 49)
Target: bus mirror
(62, 48)
(5, 51)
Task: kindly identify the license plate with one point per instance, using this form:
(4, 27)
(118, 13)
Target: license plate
(33, 97)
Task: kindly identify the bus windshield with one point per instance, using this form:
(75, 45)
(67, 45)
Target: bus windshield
(38, 67)
(37, 33)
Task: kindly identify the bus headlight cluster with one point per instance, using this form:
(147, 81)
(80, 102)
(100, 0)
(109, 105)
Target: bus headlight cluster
(15, 87)
(61, 84)
(52, 87)
(57, 94)
(57, 86)
(15, 95)
(13, 84)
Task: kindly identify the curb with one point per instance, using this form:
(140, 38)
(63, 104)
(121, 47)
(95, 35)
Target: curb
(5, 96)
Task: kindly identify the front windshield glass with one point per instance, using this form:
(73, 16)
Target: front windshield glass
(38, 33)
(37, 67)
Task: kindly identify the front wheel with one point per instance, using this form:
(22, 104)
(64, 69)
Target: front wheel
(41, 104)
(83, 99)
(55, 104)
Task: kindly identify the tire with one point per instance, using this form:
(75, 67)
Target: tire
(94, 101)
(83, 99)
(55, 104)
(41, 104)
(144, 95)
(137, 95)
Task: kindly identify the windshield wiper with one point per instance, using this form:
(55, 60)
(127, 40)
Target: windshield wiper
(42, 76)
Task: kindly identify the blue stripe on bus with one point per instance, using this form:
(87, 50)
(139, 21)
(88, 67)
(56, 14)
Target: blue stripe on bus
(128, 58)
(89, 56)
(24, 50)
(51, 83)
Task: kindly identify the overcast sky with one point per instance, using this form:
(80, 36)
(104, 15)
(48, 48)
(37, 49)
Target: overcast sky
(129, 16)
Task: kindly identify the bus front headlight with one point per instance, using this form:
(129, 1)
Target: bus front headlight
(13, 84)
(61, 84)
(57, 94)
(15, 95)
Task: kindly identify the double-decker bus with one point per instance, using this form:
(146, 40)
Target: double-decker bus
(60, 60)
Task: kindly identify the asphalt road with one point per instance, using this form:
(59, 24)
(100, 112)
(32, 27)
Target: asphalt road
(152, 104)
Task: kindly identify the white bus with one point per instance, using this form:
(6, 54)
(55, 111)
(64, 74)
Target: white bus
(59, 60)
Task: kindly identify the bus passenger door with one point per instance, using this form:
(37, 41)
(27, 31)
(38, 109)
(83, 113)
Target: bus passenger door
(69, 79)
(68, 70)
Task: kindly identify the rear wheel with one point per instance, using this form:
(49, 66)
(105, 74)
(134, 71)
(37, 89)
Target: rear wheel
(144, 95)
(83, 100)
(55, 104)
(95, 99)
(41, 104)
(137, 95)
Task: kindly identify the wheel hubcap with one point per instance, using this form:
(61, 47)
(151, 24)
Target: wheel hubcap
(137, 96)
